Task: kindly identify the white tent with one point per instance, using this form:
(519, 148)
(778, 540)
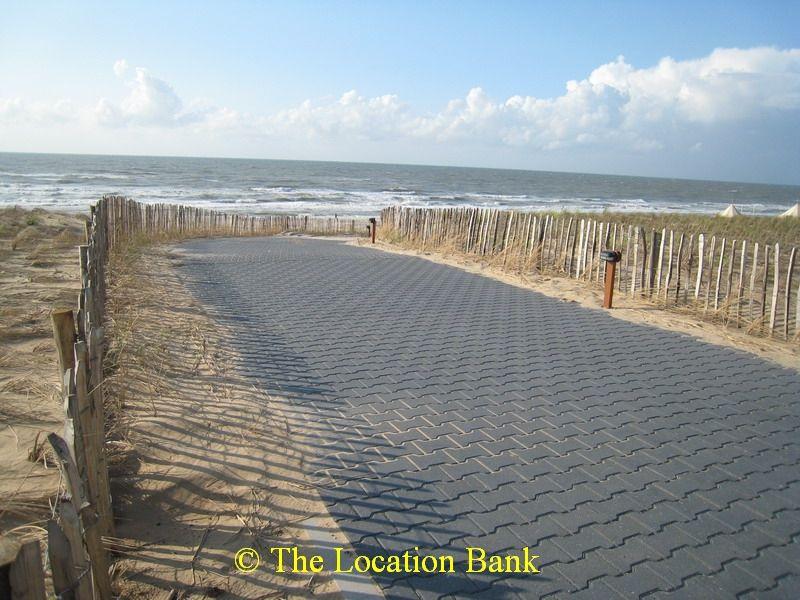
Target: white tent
(792, 212)
(730, 212)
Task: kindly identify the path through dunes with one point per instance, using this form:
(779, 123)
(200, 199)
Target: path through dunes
(442, 409)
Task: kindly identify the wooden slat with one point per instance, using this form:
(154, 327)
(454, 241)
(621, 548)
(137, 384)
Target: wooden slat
(711, 256)
(753, 281)
(71, 526)
(776, 282)
(678, 267)
(787, 299)
(701, 240)
(719, 274)
(26, 574)
(64, 335)
(764, 282)
(634, 268)
(660, 265)
(740, 285)
(668, 276)
(94, 546)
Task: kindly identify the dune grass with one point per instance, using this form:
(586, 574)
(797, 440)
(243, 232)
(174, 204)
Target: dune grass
(764, 230)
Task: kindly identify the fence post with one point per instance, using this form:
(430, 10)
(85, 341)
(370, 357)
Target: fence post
(22, 578)
(94, 545)
(788, 295)
(64, 335)
(776, 281)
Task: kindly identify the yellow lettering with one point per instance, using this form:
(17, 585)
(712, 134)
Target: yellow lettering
(529, 558)
(279, 568)
(339, 568)
(472, 559)
(316, 564)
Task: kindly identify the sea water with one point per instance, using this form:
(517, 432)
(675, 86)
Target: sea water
(72, 182)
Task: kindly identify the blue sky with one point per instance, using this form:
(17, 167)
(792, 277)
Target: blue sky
(479, 84)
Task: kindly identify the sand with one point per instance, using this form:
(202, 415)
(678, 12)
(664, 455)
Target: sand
(786, 354)
(38, 272)
(204, 462)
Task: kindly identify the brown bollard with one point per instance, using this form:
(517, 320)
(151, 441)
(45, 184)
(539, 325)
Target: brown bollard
(373, 224)
(611, 257)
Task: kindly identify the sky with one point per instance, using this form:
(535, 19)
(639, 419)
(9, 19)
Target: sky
(707, 90)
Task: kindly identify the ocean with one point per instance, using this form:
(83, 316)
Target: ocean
(72, 182)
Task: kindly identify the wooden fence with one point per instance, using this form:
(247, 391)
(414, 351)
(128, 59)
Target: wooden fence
(123, 218)
(78, 560)
(745, 284)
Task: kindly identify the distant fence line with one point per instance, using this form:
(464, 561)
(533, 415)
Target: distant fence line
(124, 217)
(740, 283)
(79, 561)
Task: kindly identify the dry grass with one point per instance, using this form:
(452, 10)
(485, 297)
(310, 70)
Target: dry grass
(765, 230)
(38, 271)
(200, 463)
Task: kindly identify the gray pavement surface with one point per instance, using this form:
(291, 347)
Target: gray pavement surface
(447, 410)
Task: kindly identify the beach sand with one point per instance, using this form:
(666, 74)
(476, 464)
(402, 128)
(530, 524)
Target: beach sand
(203, 462)
(38, 272)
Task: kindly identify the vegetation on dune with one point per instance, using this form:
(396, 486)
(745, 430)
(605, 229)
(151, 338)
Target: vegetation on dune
(765, 230)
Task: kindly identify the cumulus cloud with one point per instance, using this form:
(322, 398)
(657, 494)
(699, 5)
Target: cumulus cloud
(17, 110)
(617, 105)
(150, 102)
(350, 115)
(121, 67)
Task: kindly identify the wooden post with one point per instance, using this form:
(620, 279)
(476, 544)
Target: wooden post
(70, 525)
(679, 261)
(588, 262)
(64, 335)
(689, 262)
(668, 276)
(740, 286)
(94, 545)
(776, 282)
(572, 248)
(62, 563)
(711, 255)
(700, 258)
(797, 315)
(600, 248)
(26, 574)
(626, 256)
(764, 281)
(651, 263)
(634, 268)
(567, 266)
(719, 274)
(753, 281)
(788, 295)
(643, 267)
(729, 284)
(660, 268)
(580, 251)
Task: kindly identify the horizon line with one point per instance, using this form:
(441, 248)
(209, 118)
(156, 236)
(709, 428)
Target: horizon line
(403, 164)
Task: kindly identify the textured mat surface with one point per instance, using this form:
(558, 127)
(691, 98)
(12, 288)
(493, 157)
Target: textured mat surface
(447, 410)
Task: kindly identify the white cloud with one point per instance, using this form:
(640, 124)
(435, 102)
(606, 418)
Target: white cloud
(678, 104)
(121, 67)
(616, 104)
(17, 110)
(151, 102)
(351, 115)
